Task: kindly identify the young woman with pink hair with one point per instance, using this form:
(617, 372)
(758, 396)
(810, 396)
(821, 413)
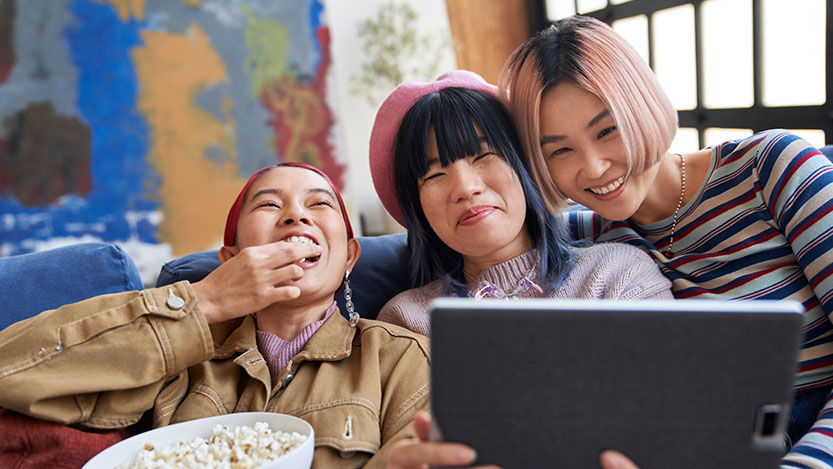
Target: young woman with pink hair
(745, 219)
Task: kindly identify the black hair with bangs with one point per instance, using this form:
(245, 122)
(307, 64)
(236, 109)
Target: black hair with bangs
(455, 115)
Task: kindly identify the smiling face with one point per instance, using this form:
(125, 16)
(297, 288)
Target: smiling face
(296, 205)
(475, 205)
(585, 155)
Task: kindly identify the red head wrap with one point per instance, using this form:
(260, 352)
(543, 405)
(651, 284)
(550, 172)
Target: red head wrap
(234, 211)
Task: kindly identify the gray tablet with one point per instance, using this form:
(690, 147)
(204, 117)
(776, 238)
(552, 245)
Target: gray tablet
(672, 384)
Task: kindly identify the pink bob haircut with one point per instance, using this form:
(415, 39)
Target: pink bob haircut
(589, 54)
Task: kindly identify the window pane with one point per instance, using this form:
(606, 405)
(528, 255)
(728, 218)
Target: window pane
(815, 137)
(674, 61)
(557, 9)
(727, 53)
(635, 31)
(685, 141)
(716, 135)
(793, 52)
(585, 6)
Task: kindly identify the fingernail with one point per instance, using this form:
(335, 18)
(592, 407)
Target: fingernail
(466, 455)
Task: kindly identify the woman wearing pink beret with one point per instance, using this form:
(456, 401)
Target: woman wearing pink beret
(446, 162)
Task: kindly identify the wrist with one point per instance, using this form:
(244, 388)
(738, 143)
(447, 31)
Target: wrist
(205, 302)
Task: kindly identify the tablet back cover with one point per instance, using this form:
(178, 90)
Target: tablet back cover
(528, 384)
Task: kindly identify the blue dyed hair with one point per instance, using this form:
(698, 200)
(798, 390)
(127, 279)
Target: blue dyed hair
(455, 114)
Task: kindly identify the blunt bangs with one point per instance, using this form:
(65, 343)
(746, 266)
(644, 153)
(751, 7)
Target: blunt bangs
(454, 114)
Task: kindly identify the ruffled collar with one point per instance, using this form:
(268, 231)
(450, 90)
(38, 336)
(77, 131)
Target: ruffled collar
(509, 279)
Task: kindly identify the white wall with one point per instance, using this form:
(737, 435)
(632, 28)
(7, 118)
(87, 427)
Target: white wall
(353, 113)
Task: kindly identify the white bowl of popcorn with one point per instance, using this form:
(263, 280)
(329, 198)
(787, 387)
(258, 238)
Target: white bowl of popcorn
(233, 441)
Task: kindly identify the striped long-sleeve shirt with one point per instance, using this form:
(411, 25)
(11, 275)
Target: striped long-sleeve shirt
(759, 227)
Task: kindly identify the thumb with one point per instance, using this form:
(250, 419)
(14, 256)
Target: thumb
(610, 459)
(422, 422)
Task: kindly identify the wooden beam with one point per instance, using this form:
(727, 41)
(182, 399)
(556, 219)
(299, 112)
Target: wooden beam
(486, 32)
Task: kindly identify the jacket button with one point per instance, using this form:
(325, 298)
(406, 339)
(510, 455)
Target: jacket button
(287, 380)
(175, 302)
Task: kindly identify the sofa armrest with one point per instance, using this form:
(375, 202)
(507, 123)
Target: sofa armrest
(36, 282)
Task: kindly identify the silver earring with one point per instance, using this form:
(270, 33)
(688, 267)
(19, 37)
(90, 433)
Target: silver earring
(348, 300)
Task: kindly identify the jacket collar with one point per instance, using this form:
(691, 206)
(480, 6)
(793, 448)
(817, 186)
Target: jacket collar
(332, 342)
(235, 335)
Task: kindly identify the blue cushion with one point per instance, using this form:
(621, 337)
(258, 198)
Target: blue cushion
(36, 282)
(380, 273)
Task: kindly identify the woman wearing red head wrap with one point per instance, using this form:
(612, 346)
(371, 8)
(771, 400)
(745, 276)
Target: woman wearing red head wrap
(260, 333)
(271, 264)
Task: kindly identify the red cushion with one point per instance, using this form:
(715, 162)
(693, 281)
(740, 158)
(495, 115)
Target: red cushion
(26, 442)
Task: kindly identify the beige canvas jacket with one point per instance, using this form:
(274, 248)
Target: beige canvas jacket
(103, 362)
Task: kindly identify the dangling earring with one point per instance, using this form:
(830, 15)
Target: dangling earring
(348, 300)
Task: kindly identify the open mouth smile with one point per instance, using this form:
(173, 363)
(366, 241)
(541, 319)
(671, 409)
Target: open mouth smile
(303, 240)
(608, 188)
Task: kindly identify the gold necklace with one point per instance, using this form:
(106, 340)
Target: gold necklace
(669, 253)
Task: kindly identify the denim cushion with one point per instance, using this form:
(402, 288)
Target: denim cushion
(36, 282)
(380, 273)
(192, 267)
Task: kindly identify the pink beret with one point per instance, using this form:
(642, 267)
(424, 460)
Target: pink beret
(388, 119)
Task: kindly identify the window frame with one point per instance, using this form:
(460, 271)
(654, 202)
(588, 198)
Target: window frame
(757, 117)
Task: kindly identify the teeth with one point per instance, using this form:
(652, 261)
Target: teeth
(300, 240)
(608, 188)
(304, 241)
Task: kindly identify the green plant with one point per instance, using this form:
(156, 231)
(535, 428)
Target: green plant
(391, 42)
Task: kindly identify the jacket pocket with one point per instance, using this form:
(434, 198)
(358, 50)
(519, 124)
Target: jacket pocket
(349, 427)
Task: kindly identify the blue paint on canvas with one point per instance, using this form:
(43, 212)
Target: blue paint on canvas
(108, 89)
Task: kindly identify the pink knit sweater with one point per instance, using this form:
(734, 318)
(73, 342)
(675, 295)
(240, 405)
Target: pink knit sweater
(606, 270)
